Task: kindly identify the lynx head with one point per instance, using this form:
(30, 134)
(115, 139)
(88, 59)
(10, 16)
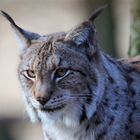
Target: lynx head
(58, 72)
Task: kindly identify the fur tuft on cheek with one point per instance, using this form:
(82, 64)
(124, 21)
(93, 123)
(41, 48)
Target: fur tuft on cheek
(97, 96)
(32, 113)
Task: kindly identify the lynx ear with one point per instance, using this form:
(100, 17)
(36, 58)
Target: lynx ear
(96, 13)
(85, 33)
(84, 36)
(24, 37)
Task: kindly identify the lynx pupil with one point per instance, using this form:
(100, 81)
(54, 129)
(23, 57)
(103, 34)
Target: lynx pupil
(60, 73)
(31, 73)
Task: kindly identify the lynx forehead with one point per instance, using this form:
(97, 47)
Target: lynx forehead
(76, 91)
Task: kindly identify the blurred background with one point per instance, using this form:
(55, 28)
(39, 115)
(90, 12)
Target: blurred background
(44, 17)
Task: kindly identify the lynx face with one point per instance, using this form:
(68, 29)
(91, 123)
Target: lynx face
(56, 78)
(56, 73)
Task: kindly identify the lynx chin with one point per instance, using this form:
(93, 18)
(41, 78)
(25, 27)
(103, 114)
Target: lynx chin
(76, 91)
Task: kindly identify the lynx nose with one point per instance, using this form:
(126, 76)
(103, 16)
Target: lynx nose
(43, 92)
(42, 101)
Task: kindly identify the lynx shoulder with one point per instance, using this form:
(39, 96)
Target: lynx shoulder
(76, 91)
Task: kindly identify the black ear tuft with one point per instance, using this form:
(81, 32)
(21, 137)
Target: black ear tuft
(8, 18)
(23, 36)
(96, 13)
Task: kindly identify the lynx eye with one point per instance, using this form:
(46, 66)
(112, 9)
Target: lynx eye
(30, 74)
(60, 73)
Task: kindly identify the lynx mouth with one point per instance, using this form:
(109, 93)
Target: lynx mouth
(52, 109)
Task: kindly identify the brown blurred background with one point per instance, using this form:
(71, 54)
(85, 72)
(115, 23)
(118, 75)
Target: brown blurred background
(47, 16)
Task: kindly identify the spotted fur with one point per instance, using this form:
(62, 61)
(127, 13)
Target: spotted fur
(97, 99)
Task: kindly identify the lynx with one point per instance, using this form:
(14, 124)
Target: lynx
(76, 91)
